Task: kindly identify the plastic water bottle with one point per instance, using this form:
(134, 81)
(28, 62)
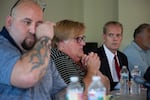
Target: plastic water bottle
(124, 81)
(74, 89)
(96, 90)
(135, 88)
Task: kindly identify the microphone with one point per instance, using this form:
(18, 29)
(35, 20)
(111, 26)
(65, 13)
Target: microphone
(140, 80)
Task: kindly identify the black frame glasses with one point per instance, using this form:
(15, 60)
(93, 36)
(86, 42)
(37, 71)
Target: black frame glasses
(80, 39)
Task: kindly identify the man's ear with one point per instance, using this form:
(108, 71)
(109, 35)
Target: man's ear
(8, 21)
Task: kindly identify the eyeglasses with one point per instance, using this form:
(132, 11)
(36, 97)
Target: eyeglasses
(80, 39)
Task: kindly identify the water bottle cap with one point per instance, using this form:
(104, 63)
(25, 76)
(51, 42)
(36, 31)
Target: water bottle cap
(74, 79)
(136, 66)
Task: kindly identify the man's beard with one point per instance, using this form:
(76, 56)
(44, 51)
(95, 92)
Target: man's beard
(27, 46)
(147, 45)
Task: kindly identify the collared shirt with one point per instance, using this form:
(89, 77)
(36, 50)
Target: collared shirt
(110, 57)
(45, 89)
(137, 56)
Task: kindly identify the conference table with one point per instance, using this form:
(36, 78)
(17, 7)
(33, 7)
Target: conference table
(115, 95)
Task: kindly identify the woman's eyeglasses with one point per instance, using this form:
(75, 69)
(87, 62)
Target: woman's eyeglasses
(80, 39)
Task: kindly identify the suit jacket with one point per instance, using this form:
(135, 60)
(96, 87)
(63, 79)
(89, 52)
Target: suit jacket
(147, 74)
(104, 68)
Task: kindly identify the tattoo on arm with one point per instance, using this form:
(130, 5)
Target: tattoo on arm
(40, 53)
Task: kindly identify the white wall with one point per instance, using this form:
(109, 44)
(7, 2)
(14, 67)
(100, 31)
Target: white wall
(4, 10)
(94, 13)
(131, 14)
(55, 10)
(64, 9)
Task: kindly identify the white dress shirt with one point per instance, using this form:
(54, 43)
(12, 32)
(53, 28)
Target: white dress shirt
(111, 62)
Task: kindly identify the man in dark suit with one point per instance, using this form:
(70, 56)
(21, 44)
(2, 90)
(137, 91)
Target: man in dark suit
(112, 37)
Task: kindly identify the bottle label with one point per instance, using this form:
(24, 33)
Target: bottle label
(125, 76)
(74, 96)
(124, 86)
(96, 96)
